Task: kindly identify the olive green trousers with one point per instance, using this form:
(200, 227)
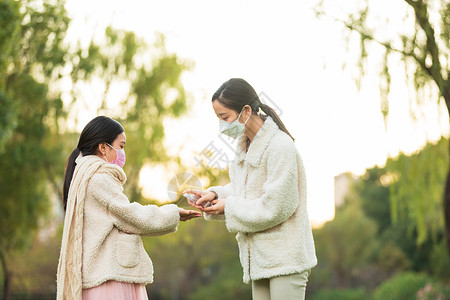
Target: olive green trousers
(287, 287)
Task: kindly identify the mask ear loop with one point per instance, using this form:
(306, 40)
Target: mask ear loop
(105, 156)
(117, 151)
(247, 118)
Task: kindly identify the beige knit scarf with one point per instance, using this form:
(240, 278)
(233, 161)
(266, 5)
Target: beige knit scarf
(69, 276)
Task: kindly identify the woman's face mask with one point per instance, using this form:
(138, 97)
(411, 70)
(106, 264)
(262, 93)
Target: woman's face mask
(233, 129)
(120, 158)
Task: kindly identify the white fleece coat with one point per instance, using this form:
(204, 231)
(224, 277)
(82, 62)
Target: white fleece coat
(102, 229)
(265, 203)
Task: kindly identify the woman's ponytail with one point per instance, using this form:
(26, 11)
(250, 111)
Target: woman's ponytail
(69, 174)
(271, 113)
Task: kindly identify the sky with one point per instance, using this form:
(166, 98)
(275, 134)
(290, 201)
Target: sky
(285, 52)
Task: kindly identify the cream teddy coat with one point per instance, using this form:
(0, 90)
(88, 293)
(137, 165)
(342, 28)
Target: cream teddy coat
(265, 203)
(102, 229)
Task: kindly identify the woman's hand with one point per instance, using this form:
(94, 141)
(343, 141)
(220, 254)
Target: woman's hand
(189, 214)
(218, 207)
(203, 197)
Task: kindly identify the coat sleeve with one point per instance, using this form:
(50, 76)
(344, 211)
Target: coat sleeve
(134, 218)
(280, 197)
(222, 193)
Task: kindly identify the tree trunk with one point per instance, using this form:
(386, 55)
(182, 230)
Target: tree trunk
(447, 209)
(6, 279)
(447, 183)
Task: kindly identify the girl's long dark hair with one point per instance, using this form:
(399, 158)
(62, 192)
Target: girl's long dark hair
(99, 130)
(236, 93)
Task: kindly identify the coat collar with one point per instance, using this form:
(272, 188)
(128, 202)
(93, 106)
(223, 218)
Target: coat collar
(258, 144)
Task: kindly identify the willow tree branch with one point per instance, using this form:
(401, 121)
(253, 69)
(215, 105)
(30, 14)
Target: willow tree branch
(422, 18)
(435, 69)
(370, 37)
(389, 47)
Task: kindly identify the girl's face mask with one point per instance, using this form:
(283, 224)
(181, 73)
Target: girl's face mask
(233, 129)
(120, 158)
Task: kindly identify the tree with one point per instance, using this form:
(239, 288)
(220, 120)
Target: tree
(424, 50)
(9, 33)
(35, 140)
(416, 184)
(155, 93)
(346, 248)
(30, 56)
(412, 178)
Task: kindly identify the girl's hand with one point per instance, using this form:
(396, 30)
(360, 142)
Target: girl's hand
(218, 207)
(204, 197)
(189, 214)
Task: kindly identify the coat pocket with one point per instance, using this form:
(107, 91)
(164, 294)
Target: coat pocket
(127, 252)
(268, 250)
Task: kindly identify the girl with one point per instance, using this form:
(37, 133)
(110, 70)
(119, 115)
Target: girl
(102, 255)
(265, 202)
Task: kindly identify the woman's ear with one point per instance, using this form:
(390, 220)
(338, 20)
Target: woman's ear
(248, 111)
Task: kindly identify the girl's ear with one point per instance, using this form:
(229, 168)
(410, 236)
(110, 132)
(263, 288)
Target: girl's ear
(102, 148)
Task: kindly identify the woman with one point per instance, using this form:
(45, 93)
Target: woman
(102, 255)
(265, 202)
